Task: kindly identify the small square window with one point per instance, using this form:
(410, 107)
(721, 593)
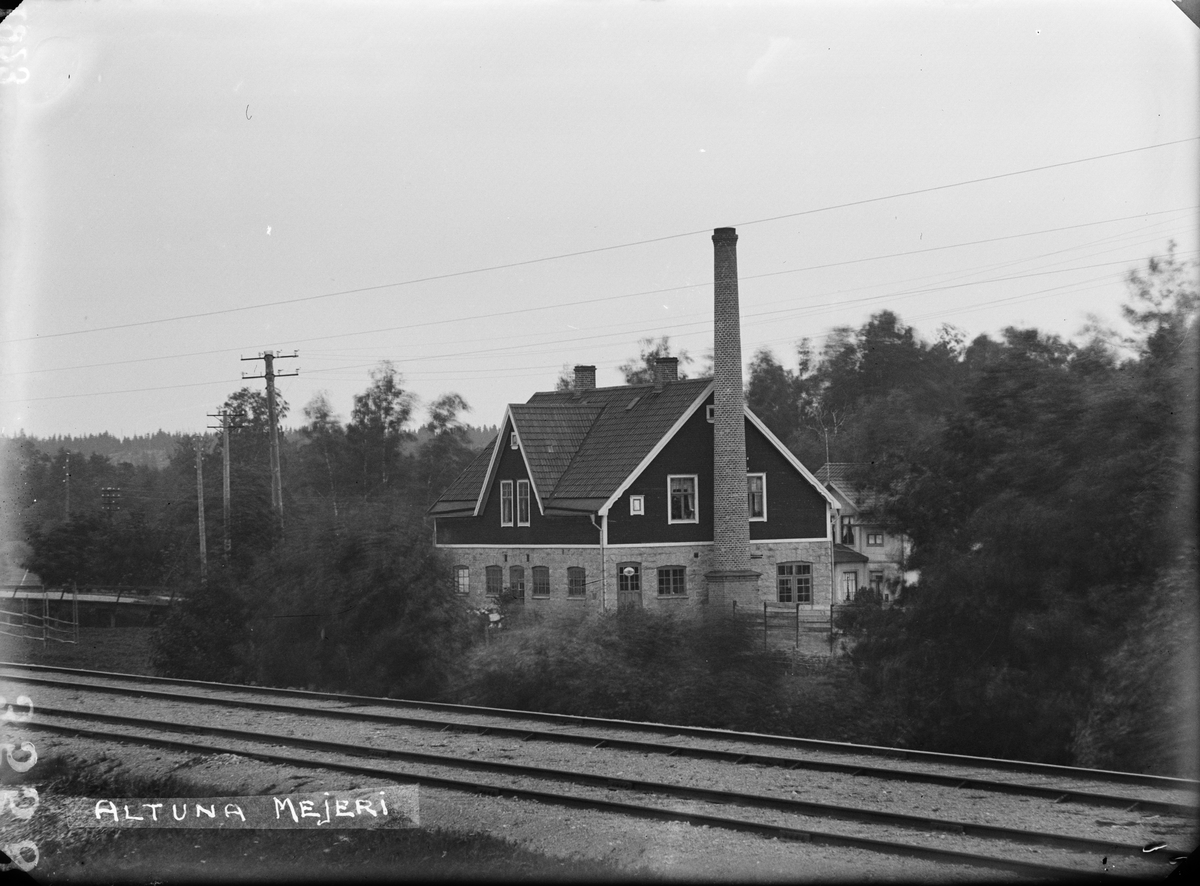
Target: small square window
(637, 505)
(875, 539)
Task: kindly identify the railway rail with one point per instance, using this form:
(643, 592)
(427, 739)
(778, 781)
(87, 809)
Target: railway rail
(763, 813)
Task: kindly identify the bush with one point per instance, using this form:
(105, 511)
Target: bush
(204, 635)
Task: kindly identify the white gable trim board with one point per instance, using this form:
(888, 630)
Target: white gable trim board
(508, 422)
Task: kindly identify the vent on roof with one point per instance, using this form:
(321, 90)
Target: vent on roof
(633, 402)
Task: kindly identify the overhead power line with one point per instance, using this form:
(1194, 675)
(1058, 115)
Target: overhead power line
(599, 249)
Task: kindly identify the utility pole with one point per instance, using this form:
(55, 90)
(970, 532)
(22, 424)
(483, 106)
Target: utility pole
(268, 358)
(224, 428)
(68, 482)
(200, 508)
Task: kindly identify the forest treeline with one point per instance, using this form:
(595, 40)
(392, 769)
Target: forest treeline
(1047, 486)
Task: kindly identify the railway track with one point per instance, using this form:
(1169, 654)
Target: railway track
(702, 762)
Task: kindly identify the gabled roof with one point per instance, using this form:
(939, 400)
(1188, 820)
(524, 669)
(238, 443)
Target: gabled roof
(845, 478)
(582, 451)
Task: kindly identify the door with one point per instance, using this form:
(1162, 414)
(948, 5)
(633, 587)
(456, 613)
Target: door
(629, 585)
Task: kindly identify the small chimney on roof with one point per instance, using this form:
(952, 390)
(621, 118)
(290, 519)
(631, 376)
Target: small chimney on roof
(666, 369)
(585, 379)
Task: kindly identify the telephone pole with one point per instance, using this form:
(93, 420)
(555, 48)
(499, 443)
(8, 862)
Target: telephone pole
(200, 508)
(224, 428)
(269, 358)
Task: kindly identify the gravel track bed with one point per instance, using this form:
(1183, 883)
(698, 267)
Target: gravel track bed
(1189, 796)
(675, 850)
(941, 840)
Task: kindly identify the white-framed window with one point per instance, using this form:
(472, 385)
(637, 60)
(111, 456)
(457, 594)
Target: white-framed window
(710, 413)
(495, 580)
(874, 539)
(512, 440)
(576, 581)
(681, 492)
(849, 584)
(541, 581)
(672, 581)
(462, 579)
(847, 535)
(756, 496)
(522, 502)
(637, 505)
(794, 582)
(506, 502)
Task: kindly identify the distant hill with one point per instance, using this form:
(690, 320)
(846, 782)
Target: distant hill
(154, 450)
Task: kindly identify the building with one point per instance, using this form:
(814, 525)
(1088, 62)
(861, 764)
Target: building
(868, 554)
(670, 494)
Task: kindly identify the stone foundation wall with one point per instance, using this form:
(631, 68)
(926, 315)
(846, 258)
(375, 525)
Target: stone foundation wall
(602, 584)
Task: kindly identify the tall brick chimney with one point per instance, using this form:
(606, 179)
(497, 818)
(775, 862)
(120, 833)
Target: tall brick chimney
(585, 379)
(666, 369)
(731, 578)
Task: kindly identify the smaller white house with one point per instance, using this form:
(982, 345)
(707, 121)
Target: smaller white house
(867, 555)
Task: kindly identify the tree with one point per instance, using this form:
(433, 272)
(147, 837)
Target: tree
(326, 440)
(377, 425)
(640, 370)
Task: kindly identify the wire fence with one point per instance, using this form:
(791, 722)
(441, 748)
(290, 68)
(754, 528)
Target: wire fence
(28, 616)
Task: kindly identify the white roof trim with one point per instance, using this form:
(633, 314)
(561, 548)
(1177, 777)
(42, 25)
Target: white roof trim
(501, 442)
(795, 462)
(658, 447)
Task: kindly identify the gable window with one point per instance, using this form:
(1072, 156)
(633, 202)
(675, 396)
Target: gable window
(462, 579)
(495, 580)
(672, 581)
(637, 505)
(541, 581)
(794, 582)
(512, 440)
(682, 489)
(522, 502)
(847, 531)
(710, 413)
(576, 582)
(756, 496)
(516, 581)
(875, 539)
(506, 502)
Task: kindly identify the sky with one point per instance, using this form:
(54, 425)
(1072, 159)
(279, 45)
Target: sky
(484, 192)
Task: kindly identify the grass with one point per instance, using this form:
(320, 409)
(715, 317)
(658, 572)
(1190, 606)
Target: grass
(125, 650)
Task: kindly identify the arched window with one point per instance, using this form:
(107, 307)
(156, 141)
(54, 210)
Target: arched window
(576, 582)
(495, 580)
(516, 581)
(541, 581)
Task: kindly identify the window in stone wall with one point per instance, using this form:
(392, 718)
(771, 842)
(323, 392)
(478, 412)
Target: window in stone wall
(849, 585)
(516, 581)
(495, 580)
(541, 581)
(462, 579)
(794, 582)
(672, 581)
(576, 582)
